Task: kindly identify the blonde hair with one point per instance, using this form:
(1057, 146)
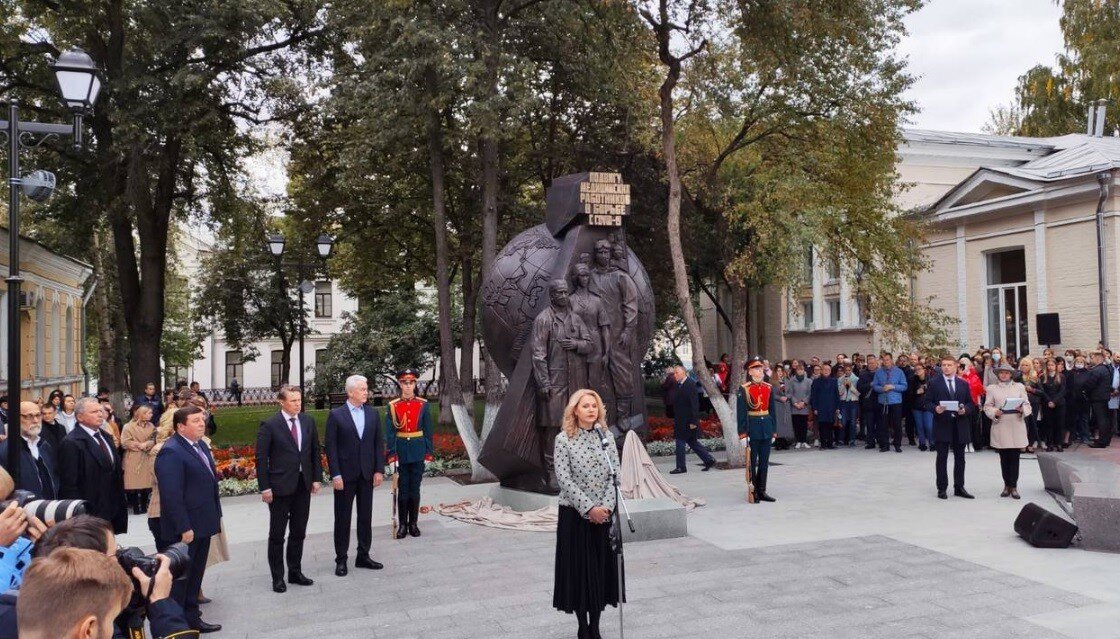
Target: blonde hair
(570, 424)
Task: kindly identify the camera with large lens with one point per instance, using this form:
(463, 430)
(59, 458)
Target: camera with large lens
(129, 558)
(55, 510)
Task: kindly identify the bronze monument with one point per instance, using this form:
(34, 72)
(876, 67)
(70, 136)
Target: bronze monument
(567, 306)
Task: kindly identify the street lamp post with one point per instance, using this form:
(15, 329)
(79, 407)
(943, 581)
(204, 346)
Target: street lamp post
(323, 245)
(78, 84)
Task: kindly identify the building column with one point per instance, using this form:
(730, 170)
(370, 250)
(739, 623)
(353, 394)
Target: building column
(1042, 291)
(847, 312)
(962, 287)
(818, 291)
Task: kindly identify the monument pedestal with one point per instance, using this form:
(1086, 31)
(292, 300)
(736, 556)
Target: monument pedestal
(657, 518)
(521, 500)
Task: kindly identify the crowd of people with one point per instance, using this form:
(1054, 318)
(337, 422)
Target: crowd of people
(878, 400)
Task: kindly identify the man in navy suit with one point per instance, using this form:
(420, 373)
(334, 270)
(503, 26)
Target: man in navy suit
(951, 429)
(356, 460)
(37, 472)
(289, 471)
(189, 508)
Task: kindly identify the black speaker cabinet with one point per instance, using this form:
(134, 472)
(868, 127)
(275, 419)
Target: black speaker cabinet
(1043, 529)
(1048, 327)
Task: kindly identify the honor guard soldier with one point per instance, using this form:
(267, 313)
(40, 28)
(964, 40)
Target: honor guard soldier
(410, 448)
(756, 422)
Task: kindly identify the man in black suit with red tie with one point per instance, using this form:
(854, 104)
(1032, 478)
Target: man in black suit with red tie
(951, 429)
(356, 460)
(288, 473)
(89, 467)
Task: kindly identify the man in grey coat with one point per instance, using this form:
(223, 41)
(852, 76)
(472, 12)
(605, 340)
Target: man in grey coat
(799, 387)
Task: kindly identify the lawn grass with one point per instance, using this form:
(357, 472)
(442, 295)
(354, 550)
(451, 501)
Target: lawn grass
(237, 425)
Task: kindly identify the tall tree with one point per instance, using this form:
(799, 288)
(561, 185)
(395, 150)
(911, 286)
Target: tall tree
(786, 142)
(1054, 100)
(182, 81)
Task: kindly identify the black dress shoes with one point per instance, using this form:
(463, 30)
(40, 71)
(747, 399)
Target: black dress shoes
(922, 448)
(278, 585)
(340, 568)
(942, 495)
(402, 530)
(1098, 445)
(367, 562)
(898, 449)
(708, 466)
(765, 497)
(413, 529)
(960, 492)
(678, 471)
(869, 446)
(206, 628)
(299, 579)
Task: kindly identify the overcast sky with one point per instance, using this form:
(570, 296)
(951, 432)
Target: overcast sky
(968, 56)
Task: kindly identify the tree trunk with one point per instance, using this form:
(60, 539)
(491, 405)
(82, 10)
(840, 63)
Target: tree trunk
(489, 155)
(142, 283)
(449, 377)
(740, 349)
(111, 342)
(467, 340)
(663, 31)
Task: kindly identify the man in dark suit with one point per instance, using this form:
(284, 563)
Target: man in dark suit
(951, 429)
(288, 473)
(89, 468)
(53, 432)
(37, 462)
(686, 422)
(189, 507)
(356, 459)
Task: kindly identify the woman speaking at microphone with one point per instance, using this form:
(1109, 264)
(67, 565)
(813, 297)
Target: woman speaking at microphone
(586, 569)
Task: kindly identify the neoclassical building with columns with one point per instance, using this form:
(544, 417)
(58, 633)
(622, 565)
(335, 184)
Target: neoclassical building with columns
(1012, 234)
(53, 295)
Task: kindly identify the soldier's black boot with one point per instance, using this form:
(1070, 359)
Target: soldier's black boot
(402, 514)
(413, 517)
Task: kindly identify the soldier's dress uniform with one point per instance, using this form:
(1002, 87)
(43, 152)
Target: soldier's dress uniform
(410, 446)
(756, 423)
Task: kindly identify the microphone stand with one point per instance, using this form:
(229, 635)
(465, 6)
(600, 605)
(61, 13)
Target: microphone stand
(616, 531)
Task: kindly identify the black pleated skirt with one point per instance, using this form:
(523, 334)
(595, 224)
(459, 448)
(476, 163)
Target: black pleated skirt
(586, 569)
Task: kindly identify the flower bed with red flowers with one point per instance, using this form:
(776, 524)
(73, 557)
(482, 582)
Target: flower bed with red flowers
(661, 428)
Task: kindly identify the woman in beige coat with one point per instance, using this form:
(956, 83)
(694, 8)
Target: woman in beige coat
(137, 438)
(1009, 428)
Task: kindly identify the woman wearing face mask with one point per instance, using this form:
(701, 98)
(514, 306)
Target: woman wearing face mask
(1009, 426)
(799, 387)
(992, 360)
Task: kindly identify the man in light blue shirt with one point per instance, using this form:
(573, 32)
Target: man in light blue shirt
(889, 383)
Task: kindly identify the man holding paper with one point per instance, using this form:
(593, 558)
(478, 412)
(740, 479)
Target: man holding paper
(948, 397)
(1008, 407)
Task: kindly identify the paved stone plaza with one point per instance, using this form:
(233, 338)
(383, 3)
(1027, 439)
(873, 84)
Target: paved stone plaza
(857, 546)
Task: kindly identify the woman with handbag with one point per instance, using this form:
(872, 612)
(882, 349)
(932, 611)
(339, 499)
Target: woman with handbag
(586, 576)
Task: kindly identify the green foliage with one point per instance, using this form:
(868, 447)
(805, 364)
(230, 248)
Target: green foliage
(1054, 100)
(789, 142)
(395, 330)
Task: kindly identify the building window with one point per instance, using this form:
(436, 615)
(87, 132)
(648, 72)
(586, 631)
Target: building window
(41, 339)
(70, 341)
(807, 266)
(1006, 302)
(806, 314)
(861, 311)
(235, 367)
(323, 299)
(277, 369)
(833, 306)
(172, 375)
(831, 270)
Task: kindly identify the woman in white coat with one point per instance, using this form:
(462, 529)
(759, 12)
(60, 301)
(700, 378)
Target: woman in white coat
(1009, 427)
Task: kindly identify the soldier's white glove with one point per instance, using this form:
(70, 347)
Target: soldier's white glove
(392, 468)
